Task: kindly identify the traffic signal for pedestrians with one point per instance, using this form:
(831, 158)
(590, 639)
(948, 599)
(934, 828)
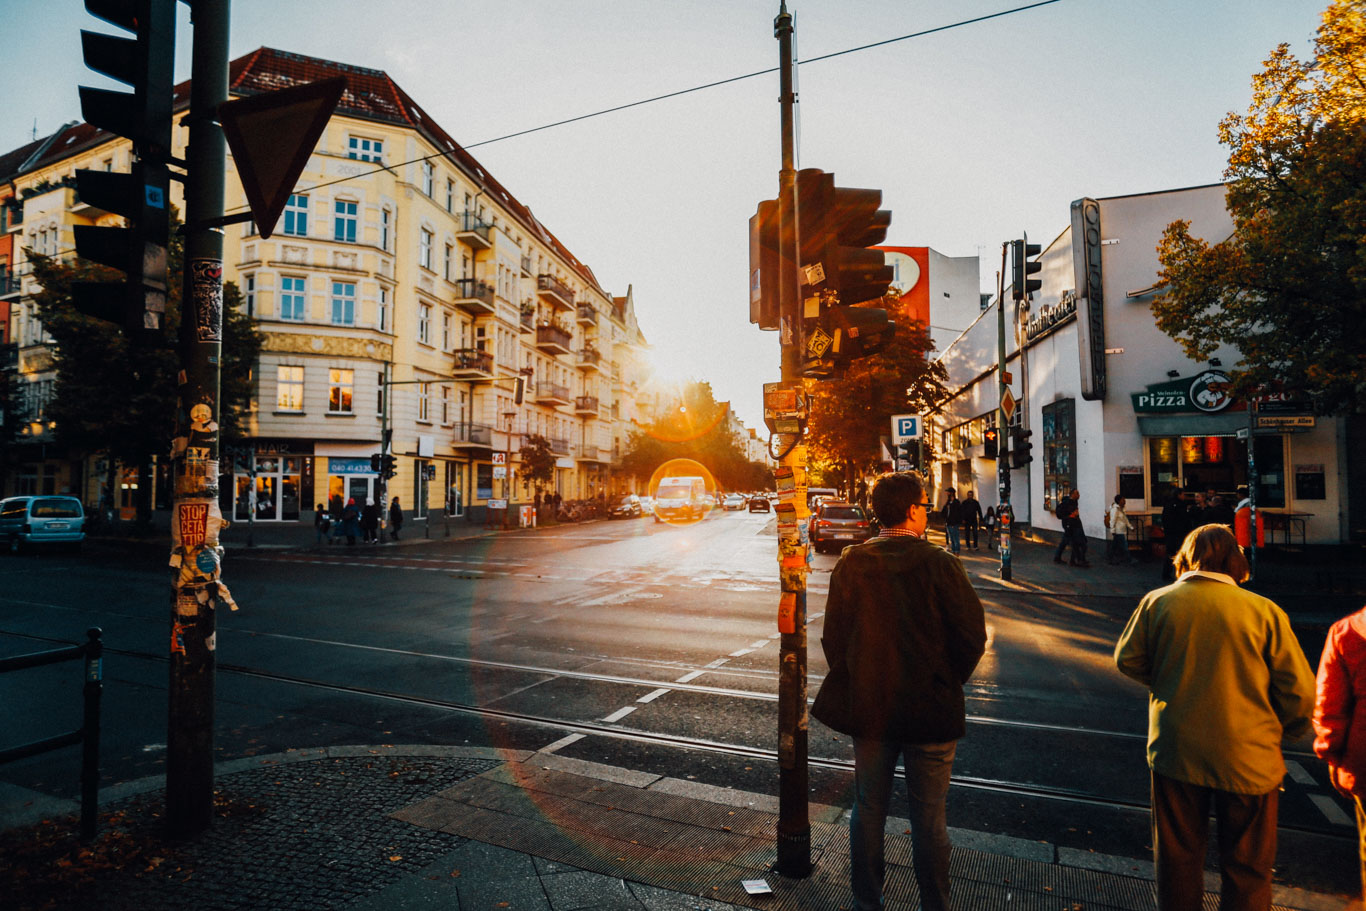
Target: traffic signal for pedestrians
(989, 440)
(375, 462)
(1021, 267)
(764, 306)
(1020, 447)
(144, 62)
(386, 466)
(907, 452)
(837, 227)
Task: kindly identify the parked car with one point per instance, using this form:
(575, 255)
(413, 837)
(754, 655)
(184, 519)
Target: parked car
(836, 523)
(758, 504)
(647, 505)
(628, 508)
(814, 495)
(32, 520)
(734, 501)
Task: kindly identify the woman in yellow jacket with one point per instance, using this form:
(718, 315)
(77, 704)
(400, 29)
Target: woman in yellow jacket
(1228, 684)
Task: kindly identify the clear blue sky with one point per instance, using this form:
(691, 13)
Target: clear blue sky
(973, 134)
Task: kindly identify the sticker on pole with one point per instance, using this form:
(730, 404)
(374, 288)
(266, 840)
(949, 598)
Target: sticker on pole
(817, 343)
(194, 523)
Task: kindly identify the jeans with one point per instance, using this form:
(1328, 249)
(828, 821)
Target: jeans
(952, 532)
(928, 766)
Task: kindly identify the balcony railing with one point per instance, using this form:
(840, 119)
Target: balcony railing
(587, 315)
(9, 284)
(474, 295)
(555, 291)
(9, 356)
(472, 361)
(552, 393)
(558, 445)
(471, 434)
(526, 265)
(586, 404)
(589, 452)
(528, 320)
(590, 359)
(553, 339)
(474, 231)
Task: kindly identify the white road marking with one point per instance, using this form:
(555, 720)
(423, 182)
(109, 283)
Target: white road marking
(718, 662)
(775, 635)
(619, 714)
(1298, 773)
(562, 742)
(740, 652)
(651, 697)
(1330, 809)
(760, 644)
(689, 676)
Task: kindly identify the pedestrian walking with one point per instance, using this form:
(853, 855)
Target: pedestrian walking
(1340, 718)
(351, 522)
(1227, 684)
(953, 519)
(1175, 526)
(989, 523)
(903, 632)
(369, 521)
(395, 518)
(321, 524)
(972, 516)
(1118, 522)
(1068, 512)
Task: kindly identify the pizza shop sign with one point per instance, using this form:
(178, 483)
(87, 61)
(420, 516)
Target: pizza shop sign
(1207, 392)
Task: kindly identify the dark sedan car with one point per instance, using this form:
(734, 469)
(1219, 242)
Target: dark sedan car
(758, 503)
(836, 523)
(628, 508)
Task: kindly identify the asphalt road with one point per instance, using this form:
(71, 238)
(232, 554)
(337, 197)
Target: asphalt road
(633, 643)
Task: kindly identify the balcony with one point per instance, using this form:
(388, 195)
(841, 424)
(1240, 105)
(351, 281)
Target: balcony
(590, 359)
(471, 363)
(558, 446)
(586, 405)
(473, 230)
(472, 436)
(554, 292)
(589, 452)
(9, 284)
(474, 295)
(527, 319)
(587, 315)
(526, 266)
(553, 339)
(552, 394)
(9, 357)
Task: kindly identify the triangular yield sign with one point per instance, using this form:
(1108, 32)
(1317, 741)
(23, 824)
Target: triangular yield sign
(271, 137)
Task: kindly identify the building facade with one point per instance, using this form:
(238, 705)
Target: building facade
(1112, 404)
(404, 294)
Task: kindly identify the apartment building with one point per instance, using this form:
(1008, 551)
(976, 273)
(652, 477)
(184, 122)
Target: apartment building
(406, 293)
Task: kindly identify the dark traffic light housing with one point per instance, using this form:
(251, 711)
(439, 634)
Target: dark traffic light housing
(989, 443)
(765, 309)
(144, 62)
(1020, 447)
(907, 450)
(387, 465)
(1021, 267)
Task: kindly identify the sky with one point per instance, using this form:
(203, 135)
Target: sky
(973, 133)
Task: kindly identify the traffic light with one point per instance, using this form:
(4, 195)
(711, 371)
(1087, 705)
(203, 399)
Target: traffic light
(1020, 447)
(375, 462)
(907, 452)
(386, 466)
(144, 62)
(1021, 285)
(764, 307)
(518, 390)
(989, 440)
(837, 226)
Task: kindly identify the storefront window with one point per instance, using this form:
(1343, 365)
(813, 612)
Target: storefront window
(1218, 463)
(483, 485)
(1163, 474)
(1059, 450)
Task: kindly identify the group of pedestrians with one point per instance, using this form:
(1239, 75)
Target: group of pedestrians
(963, 518)
(1181, 514)
(354, 522)
(1228, 681)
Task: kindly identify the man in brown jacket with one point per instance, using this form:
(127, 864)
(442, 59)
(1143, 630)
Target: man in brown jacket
(903, 632)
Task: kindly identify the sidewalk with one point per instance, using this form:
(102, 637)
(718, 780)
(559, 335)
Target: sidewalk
(384, 828)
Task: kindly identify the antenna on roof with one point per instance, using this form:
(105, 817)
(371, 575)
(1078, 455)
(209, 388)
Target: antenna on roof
(35, 128)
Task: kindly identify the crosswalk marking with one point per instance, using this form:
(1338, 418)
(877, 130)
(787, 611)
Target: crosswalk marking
(653, 695)
(1298, 773)
(1329, 808)
(619, 714)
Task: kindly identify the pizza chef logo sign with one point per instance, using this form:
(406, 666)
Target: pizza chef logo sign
(1208, 392)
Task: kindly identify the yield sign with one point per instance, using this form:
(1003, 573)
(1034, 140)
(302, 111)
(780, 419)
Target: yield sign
(271, 137)
(1007, 403)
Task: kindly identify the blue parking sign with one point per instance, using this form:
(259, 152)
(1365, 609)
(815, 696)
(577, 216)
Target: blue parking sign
(907, 426)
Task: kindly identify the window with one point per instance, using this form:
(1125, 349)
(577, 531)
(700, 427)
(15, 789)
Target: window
(379, 385)
(383, 308)
(289, 386)
(424, 401)
(363, 149)
(424, 248)
(446, 406)
(448, 262)
(427, 178)
(344, 224)
(340, 386)
(450, 195)
(343, 303)
(296, 215)
(248, 289)
(424, 323)
(445, 331)
(291, 297)
(1059, 450)
(384, 216)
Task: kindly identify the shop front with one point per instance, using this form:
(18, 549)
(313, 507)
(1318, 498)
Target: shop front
(273, 481)
(350, 478)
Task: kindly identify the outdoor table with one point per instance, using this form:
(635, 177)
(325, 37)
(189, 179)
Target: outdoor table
(1287, 522)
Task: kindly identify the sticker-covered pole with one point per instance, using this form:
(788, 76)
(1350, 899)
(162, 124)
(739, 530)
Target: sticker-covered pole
(196, 520)
(1004, 516)
(794, 824)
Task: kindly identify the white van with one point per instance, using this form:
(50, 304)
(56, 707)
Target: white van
(681, 498)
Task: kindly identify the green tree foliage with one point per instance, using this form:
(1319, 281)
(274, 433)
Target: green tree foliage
(695, 427)
(1288, 288)
(538, 462)
(118, 396)
(852, 413)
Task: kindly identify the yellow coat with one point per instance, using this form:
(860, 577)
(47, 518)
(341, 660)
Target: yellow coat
(1228, 683)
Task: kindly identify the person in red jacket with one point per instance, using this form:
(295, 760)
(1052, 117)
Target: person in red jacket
(1340, 716)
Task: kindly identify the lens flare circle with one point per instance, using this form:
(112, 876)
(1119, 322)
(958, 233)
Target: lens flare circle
(684, 491)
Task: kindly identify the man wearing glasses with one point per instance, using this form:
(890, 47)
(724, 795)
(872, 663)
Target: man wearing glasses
(903, 632)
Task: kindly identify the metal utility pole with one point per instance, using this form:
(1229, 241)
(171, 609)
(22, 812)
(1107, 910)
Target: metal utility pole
(1003, 511)
(794, 824)
(198, 590)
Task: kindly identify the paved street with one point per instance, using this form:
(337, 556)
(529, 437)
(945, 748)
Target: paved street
(632, 644)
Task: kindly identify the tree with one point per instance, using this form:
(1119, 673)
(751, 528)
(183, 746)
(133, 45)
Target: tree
(694, 427)
(538, 462)
(117, 395)
(852, 413)
(1288, 288)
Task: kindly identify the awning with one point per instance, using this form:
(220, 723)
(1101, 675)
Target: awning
(1192, 425)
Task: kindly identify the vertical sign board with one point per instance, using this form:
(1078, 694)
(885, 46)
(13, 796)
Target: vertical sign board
(1086, 272)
